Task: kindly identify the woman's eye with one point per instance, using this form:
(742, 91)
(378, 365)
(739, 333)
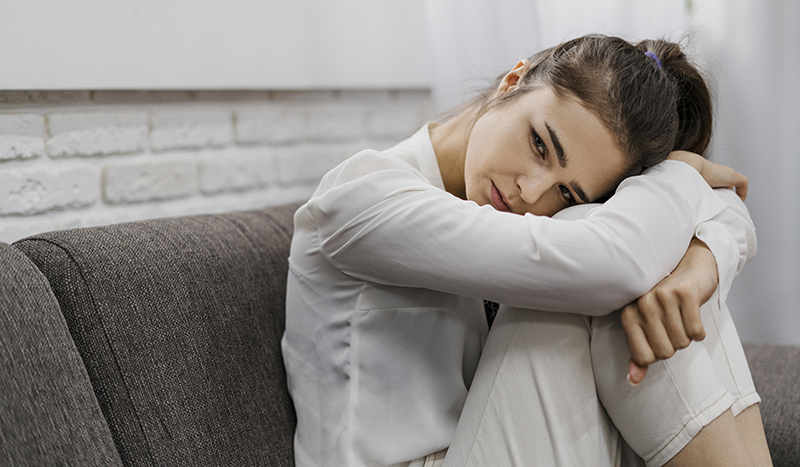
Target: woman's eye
(538, 143)
(566, 194)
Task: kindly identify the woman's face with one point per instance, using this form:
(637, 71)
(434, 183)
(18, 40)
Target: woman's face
(540, 153)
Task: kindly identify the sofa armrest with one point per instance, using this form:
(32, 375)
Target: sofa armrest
(48, 412)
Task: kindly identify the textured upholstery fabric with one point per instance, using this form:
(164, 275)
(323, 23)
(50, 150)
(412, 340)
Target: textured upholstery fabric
(179, 324)
(776, 373)
(48, 412)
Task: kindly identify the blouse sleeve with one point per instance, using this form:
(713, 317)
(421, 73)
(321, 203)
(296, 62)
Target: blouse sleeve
(379, 220)
(731, 237)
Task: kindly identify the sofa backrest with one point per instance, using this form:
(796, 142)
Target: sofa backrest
(48, 412)
(179, 322)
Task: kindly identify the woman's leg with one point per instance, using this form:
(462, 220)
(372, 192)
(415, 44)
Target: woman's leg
(720, 443)
(712, 446)
(752, 428)
(533, 400)
(726, 352)
(690, 422)
(677, 398)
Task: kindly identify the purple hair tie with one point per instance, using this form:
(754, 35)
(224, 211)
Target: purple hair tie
(655, 58)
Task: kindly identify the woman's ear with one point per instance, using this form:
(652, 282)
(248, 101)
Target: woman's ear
(511, 80)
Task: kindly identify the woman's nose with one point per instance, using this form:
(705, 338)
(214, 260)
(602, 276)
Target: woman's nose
(533, 187)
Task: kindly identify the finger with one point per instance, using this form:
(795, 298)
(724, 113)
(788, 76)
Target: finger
(641, 353)
(673, 320)
(636, 373)
(722, 176)
(659, 340)
(654, 328)
(741, 188)
(692, 322)
(737, 181)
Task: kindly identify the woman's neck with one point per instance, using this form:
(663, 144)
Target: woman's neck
(450, 145)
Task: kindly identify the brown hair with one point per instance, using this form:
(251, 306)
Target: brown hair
(650, 109)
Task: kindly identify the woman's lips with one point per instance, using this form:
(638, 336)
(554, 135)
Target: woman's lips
(497, 200)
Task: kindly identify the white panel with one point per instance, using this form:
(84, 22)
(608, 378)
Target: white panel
(473, 41)
(212, 44)
(753, 54)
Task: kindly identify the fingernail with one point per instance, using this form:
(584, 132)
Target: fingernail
(630, 381)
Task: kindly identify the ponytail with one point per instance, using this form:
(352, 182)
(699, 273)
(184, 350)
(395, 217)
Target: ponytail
(695, 112)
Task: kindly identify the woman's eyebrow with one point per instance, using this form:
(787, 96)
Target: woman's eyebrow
(562, 158)
(562, 161)
(581, 194)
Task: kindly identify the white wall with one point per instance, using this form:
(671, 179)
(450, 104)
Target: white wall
(752, 48)
(212, 44)
(473, 41)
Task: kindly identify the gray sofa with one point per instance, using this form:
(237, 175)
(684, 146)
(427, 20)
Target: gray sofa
(158, 343)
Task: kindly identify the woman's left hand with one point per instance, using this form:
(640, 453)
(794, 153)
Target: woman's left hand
(716, 175)
(667, 318)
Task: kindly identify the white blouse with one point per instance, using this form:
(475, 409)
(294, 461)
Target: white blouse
(387, 273)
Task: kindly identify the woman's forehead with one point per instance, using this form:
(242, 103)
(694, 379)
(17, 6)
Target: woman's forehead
(590, 150)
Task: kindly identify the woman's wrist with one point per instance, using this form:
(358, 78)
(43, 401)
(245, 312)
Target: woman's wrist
(700, 263)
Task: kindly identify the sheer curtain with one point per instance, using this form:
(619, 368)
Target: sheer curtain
(753, 50)
(473, 41)
(749, 47)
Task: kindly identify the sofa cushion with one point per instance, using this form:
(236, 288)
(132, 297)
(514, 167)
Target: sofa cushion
(179, 323)
(776, 374)
(48, 412)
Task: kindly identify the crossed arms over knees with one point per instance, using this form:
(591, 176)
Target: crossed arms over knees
(667, 318)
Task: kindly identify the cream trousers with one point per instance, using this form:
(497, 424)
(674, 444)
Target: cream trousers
(551, 390)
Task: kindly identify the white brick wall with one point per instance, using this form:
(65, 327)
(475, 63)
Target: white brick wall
(78, 159)
(248, 169)
(190, 129)
(278, 124)
(36, 191)
(149, 181)
(93, 133)
(21, 136)
(309, 162)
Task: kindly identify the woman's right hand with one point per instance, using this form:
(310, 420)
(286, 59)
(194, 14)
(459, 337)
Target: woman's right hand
(667, 318)
(716, 175)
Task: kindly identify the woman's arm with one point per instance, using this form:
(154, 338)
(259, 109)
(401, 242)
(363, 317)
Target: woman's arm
(718, 252)
(380, 221)
(730, 236)
(716, 175)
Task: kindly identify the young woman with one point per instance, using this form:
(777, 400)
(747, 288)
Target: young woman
(394, 253)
